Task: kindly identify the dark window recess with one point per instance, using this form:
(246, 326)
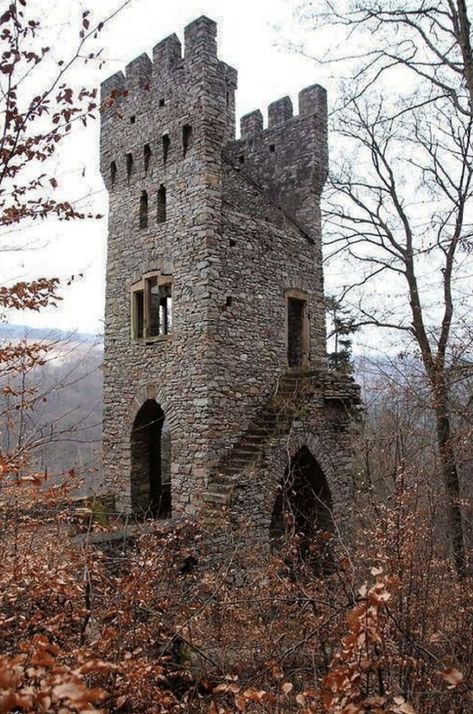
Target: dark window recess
(228, 301)
(146, 156)
(166, 145)
(161, 207)
(113, 172)
(129, 165)
(186, 138)
(295, 331)
(132, 119)
(232, 243)
(272, 148)
(138, 314)
(160, 308)
(144, 210)
(162, 102)
(241, 159)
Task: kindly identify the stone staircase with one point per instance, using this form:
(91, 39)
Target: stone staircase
(273, 419)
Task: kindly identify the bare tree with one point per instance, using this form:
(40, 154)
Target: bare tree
(39, 108)
(399, 199)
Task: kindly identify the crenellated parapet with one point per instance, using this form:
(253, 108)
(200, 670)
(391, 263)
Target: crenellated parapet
(156, 97)
(287, 159)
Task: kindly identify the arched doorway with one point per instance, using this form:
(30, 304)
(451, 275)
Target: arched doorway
(303, 509)
(151, 462)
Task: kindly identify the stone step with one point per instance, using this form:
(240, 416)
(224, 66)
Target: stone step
(240, 461)
(242, 449)
(226, 479)
(216, 497)
(264, 420)
(256, 437)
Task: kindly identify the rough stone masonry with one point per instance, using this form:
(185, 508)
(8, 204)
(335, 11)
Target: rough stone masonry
(218, 401)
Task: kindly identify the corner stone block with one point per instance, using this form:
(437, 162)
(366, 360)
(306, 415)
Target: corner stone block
(313, 100)
(251, 124)
(200, 37)
(279, 112)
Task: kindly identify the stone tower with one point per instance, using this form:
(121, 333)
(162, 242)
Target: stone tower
(216, 385)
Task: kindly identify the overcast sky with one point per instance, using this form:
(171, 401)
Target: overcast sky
(251, 36)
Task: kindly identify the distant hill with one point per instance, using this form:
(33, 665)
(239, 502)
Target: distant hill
(19, 332)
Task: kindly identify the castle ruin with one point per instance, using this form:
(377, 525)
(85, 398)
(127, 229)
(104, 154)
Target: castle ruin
(217, 396)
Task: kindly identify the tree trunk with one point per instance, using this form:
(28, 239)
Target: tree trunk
(465, 47)
(449, 473)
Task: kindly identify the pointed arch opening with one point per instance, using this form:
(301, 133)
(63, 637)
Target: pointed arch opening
(303, 511)
(146, 157)
(151, 463)
(187, 139)
(166, 145)
(129, 165)
(161, 204)
(113, 172)
(144, 210)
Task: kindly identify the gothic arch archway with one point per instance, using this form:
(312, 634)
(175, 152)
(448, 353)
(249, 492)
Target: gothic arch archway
(303, 508)
(150, 481)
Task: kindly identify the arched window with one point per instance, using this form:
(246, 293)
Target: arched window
(151, 462)
(186, 138)
(303, 510)
(113, 172)
(144, 210)
(129, 165)
(166, 145)
(146, 157)
(161, 207)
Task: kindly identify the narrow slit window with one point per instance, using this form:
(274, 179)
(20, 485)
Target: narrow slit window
(146, 156)
(186, 138)
(144, 210)
(161, 209)
(138, 315)
(113, 172)
(166, 145)
(129, 165)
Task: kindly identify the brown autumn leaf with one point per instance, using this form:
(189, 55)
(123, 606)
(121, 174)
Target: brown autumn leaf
(401, 706)
(452, 676)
